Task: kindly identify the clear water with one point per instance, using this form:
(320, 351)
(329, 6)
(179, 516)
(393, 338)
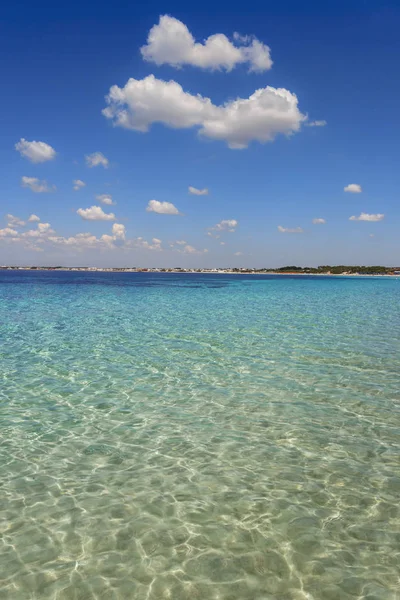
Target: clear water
(199, 437)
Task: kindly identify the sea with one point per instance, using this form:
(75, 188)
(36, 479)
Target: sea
(199, 437)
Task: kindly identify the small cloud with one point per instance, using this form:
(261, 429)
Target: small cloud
(191, 250)
(196, 192)
(225, 225)
(162, 208)
(366, 217)
(288, 230)
(222, 243)
(319, 221)
(78, 184)
(36, 152)
(353, 188)
(13, 221)
(34, 219)
(238, 253)
(95, 213)
(317, 123)
(8, 232)
(96, 159)
(371, 235)
(139, 242)
(181, 242)
(44, 227)
(105, 199)
(36, 185)
(118, 231)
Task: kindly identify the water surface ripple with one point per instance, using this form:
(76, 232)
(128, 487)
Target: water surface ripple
(192, 437)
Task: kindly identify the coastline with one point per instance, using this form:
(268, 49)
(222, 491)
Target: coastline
(196, 271)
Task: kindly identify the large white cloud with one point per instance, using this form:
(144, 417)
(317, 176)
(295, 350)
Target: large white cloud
(288, 230)
(367, 217)
(197, 192)
(36, 152)
(353, 188)
(170, 42)
(261, 117)
(96, 159)
(95, 213)
(162, 208)
(36, 185)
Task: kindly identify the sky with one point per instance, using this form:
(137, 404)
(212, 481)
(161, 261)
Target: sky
(166, 134)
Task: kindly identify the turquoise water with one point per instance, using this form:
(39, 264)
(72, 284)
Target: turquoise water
(188, 437)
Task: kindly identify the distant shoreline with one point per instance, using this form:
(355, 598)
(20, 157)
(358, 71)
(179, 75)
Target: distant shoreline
(196, 271)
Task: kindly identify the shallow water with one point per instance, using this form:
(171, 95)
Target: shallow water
(199, 437)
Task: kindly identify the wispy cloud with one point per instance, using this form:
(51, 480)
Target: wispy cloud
(196, 192)
(36, 185)
(78, 184)
(97, 159)
(289, 230)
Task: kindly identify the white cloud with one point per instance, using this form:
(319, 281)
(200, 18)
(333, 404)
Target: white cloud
(36, 152)
(96, 159)
(371, 235)
(118, 231)
(36, 185)
(34, 219)
(353, 188)
(288, 230)
(139, 242)
(170, 42)
(321, 123)
(95, 213)
(196, 192)
(81, 241)
(44, 227)
(8, 231)
(261, 117)
(105, 199)
(226, 225)
(188, 249)
(13, 221)
(181, 242)
(238, 253)
(222, 243)
(162, 208)
(42, 232)
(366, 217)
(108, 240)
(319, 221)
(78, 184)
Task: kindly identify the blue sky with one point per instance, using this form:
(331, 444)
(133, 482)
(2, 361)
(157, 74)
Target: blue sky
(179, 123)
